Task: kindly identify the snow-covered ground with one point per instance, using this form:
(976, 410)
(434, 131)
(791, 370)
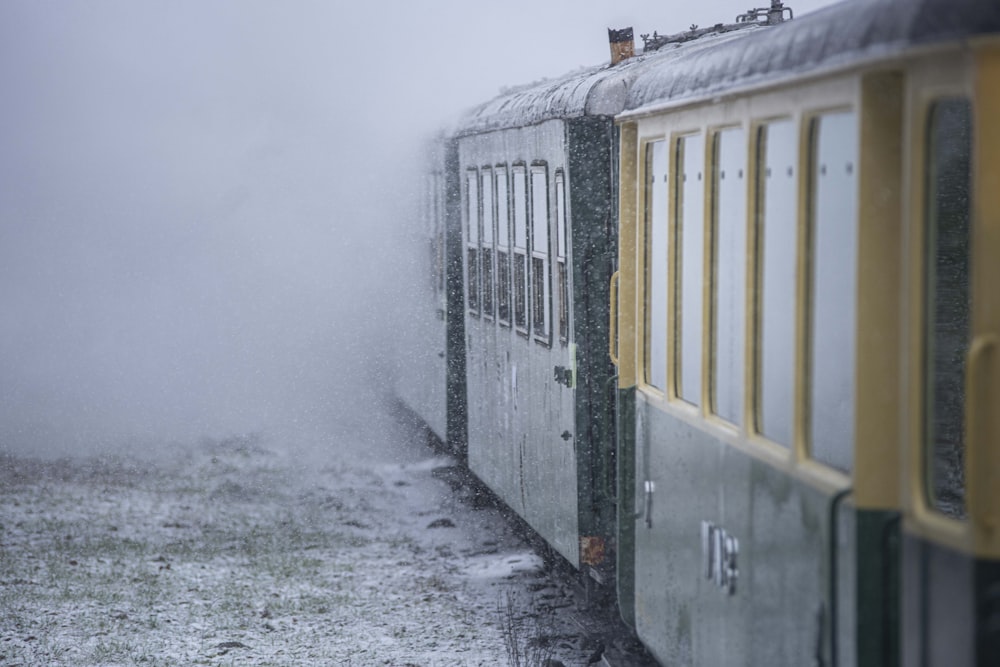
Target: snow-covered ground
(258, 550)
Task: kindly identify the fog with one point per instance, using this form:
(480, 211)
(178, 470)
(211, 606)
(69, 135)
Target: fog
(205, 206)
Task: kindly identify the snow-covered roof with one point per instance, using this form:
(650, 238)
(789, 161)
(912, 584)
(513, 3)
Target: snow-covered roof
(593, 91)
(553, 98)
(839, 36)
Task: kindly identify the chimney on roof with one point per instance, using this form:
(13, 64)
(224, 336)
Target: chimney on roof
(622, 45)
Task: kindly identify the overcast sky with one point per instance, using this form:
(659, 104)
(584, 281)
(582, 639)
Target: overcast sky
(195, 196)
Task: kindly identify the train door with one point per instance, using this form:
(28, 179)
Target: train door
(475, 358)
(951, 546)
(490, 387)
(565, 436)
(548, 473)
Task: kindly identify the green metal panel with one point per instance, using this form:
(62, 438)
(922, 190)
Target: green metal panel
(950, 606)
(878, 588)
(626, 505)
(457, 413)
(783, 528)
(987, 603)
(591, 166)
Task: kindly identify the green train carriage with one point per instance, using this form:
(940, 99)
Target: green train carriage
(806, 322)
(536, 171)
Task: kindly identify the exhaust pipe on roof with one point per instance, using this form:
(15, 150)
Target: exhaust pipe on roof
(622, 45)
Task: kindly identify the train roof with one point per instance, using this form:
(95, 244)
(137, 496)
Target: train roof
(592, 91)
(534, 103)
(840, 36)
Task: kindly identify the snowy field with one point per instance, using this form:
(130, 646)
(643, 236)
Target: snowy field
(254, 551)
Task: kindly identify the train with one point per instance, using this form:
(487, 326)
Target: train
(719, 320)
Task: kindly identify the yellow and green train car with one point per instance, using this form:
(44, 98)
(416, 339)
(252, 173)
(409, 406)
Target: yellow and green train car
(807, 312)
(785, 234)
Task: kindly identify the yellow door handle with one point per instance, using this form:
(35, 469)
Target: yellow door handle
(981, 444)
(613, 319)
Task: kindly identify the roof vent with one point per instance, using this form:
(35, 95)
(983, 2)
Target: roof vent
(773, 15)
(767, 16)
(622, 44)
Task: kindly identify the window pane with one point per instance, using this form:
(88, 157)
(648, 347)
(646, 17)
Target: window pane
(438, 221)
(503, 218)
(520, 208)
(486, 179)
(472, 231)
(563, 302)
(834, 288)
(730, 273)
(487, 271)
(656, 263)
(539, 212)
(776, 184)
(540, 251)
(473, 283)
(948, 331)
(689, 263)
(486, 188)
(503, 287)
(561, 249)
(538, 299)
(560, 215)
(520, 286)
(503, 245)
(472, 208)
(520, 290)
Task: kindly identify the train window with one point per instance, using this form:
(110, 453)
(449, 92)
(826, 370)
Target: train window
(438, 223)
(833, 287)
(430, 228)
(520, 186)
(689, 264)
(776, 258)
(472, 234)
(729, 201)
(947, 330)
(486, 268)
(561, 252)
(656, 264)
(503, 247)
(540, 280)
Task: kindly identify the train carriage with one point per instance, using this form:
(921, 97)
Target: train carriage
(805, 337)
(786, 239)
(430, 383)
(536, 169)
(428, 306)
